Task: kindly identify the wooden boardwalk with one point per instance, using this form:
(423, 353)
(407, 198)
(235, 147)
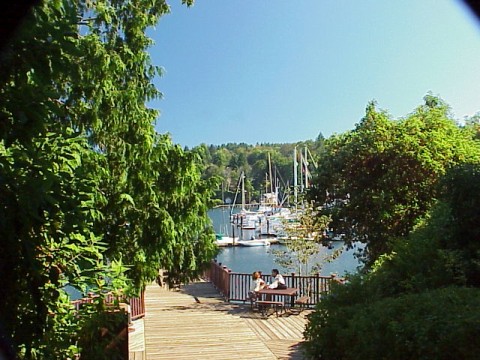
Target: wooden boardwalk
(195, 323)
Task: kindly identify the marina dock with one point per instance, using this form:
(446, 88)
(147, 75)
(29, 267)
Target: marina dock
(194, 322)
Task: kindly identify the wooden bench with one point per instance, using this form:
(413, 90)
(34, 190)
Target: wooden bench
(263, 305)
(302, 301)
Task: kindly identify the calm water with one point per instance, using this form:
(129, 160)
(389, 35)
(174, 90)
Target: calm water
(249, 259)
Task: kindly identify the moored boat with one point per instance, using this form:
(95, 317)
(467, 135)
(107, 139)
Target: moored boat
(254, 242)
(222, 240)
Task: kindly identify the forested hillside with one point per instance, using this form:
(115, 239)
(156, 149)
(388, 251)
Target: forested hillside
(227, 162)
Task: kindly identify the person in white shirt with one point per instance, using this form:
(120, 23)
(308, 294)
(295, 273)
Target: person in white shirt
(278, 280)
(257, 284)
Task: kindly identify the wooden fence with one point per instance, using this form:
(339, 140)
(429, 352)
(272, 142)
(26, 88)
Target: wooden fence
(135, 308)
(235, 286)
(137, 305)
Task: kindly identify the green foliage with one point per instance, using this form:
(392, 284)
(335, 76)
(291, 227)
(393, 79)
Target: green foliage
(418, 301)
(103, 331)
(436, 324)
(378, 180)
(90, 195)
(442, 250)
(47, 237)
(472, 124)
(461, 191)
(228, 161)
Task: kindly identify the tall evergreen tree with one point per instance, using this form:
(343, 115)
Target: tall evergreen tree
(90, 195)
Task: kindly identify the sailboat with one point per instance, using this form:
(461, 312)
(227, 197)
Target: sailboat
(274, 222)
(247, 220)
(222, 238)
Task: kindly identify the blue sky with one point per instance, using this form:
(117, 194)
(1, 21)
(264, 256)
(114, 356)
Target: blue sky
(259, 71)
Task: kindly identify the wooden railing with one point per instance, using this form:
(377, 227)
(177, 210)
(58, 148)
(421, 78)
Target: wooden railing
(235, 286)
(136, 304)
(219, 276)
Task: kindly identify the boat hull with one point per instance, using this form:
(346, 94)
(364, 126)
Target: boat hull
(253, 243)
(226, 241)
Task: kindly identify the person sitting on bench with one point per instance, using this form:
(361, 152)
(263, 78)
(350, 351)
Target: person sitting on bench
(278, 280)
(257, 284)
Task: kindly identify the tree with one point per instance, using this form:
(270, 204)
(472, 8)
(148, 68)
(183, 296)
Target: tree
(90, 195)
(47, 239)
(378, 180)
(461, 226)
(228, 161)
(473, 124)
(303, 242)
(401, 303)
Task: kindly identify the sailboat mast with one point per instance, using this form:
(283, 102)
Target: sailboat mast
(276, 186)
(223, 193)
(266, 183)
(270, 173)
(243, 190)
(305, 159)
(301, 171)
(295, 166)
(236, 194)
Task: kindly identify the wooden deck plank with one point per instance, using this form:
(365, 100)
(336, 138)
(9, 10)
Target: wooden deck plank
(298, 326)
(289, 324)
(195, 323)
(287, 332)
(266, 328)
(276, 331)
(261, 332)
(286, 350)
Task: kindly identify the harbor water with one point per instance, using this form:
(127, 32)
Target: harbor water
(261, 258)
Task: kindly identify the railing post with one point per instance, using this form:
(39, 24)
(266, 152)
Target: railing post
(317, 280)
(229, 277)
(225, 287)
(226, 282)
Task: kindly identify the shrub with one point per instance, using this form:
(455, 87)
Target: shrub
(437, 324)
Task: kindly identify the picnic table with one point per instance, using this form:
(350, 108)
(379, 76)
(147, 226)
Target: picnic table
(284, 293)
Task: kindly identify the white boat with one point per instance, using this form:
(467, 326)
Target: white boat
(247, 220)
(254, 242)
(274, 224)
(222, 240)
